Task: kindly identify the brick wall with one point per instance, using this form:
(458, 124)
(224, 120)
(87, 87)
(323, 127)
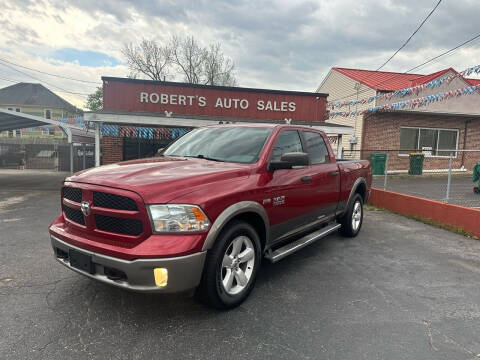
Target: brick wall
(382, 132)
(111, 149)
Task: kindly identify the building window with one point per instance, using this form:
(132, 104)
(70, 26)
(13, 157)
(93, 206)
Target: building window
(48, 114)
(18, 133)
(10, 109)
(17, 109)
(432, 142)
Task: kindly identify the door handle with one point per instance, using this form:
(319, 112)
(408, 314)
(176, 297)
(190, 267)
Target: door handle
(334, 173)
(306, 179)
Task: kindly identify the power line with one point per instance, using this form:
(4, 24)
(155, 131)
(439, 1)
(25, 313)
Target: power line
(46, 73)
(9, 80)
(414, 68)
(411, 36)
(54, 86)
(404, 44)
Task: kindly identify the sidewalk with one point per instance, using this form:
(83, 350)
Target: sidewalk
(44, 180)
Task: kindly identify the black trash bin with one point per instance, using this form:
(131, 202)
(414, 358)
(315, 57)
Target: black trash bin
(416, 163)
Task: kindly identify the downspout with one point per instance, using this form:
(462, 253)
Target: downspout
(465, 141)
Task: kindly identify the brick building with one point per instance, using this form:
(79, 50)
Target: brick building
(453, 124)
(141, 116)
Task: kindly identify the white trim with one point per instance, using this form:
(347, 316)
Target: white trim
(436, 150)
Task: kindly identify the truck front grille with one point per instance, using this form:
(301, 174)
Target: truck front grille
(112, 201)
(73, 194)
(118, 225)
(74, 215)
(107, 210)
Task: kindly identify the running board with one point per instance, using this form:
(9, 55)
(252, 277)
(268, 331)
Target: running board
(296, 245)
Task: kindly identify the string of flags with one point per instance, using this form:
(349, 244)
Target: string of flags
(411, 103)
(407, 91)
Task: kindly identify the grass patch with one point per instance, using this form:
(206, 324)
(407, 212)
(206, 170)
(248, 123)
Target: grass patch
(427, 221)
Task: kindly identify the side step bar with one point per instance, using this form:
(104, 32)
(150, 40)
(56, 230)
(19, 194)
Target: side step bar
(296, 245)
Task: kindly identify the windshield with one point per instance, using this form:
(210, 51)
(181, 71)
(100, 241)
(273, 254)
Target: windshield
(229, 144)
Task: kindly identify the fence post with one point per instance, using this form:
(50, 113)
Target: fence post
(449, 181)
(386, 171)
(84, 148)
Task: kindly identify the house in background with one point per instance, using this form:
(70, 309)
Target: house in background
(36, 99)
(453, 124)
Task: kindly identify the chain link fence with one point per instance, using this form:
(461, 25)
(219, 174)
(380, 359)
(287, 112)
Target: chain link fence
(443, 175)
(45, 155)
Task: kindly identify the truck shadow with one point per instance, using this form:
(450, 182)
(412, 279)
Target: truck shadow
(90, 297)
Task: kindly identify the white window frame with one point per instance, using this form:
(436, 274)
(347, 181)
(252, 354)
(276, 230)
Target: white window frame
(436, 150)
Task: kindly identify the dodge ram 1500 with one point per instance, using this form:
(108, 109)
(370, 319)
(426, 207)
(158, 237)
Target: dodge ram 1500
(204, 213)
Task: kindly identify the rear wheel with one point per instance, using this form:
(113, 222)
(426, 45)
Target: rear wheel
(353, 219)
(231, 267)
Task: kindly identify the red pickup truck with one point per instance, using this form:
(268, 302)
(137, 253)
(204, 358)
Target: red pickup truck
(204, 213)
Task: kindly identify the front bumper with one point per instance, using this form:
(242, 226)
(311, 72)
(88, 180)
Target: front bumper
(184, 273)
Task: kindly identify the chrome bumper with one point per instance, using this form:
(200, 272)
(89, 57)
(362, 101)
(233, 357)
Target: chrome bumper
(184, 273)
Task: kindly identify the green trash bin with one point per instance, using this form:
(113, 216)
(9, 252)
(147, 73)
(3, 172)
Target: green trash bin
(416, 163)
(378, 161)
(476, 177)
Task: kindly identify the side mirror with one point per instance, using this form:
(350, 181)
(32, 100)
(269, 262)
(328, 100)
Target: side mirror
(290, 161)
(159, 152)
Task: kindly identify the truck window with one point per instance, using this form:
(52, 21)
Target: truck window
(316, 148)
(230, 144)
(289, 141)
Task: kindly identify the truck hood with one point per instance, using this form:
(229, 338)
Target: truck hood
(160, 180)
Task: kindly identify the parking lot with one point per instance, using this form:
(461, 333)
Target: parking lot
(433, 187)
(400, 290)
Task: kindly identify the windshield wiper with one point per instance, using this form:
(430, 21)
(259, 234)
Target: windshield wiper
(200, 156)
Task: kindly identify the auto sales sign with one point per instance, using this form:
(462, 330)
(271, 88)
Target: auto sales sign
(230, 102)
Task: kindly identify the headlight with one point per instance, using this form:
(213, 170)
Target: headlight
(178, 218)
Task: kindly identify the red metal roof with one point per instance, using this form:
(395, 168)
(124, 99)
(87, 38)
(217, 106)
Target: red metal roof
(473, 81)
(379, 80)
(426, 78)
(391, 81)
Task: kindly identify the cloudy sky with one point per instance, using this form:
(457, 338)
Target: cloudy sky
(278, 44)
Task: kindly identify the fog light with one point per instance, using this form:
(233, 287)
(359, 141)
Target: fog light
(161, 276)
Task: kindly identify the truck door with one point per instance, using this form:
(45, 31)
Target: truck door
(287, 192)
(325, 175)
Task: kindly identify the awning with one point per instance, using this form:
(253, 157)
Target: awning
(161, 120)
(12, 120)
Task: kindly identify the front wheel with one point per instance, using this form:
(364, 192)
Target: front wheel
(231, 266)
(353, 218)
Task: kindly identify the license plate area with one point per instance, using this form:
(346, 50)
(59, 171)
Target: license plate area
(81, 261)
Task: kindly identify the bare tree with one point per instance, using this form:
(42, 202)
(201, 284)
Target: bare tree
(218, 70)
(149, 58)
(185, 56)
(189, 57)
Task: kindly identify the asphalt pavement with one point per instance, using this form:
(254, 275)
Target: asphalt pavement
(400, 290)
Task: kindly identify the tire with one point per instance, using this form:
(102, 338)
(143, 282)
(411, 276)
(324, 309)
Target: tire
(223, 286)
(353, 219)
